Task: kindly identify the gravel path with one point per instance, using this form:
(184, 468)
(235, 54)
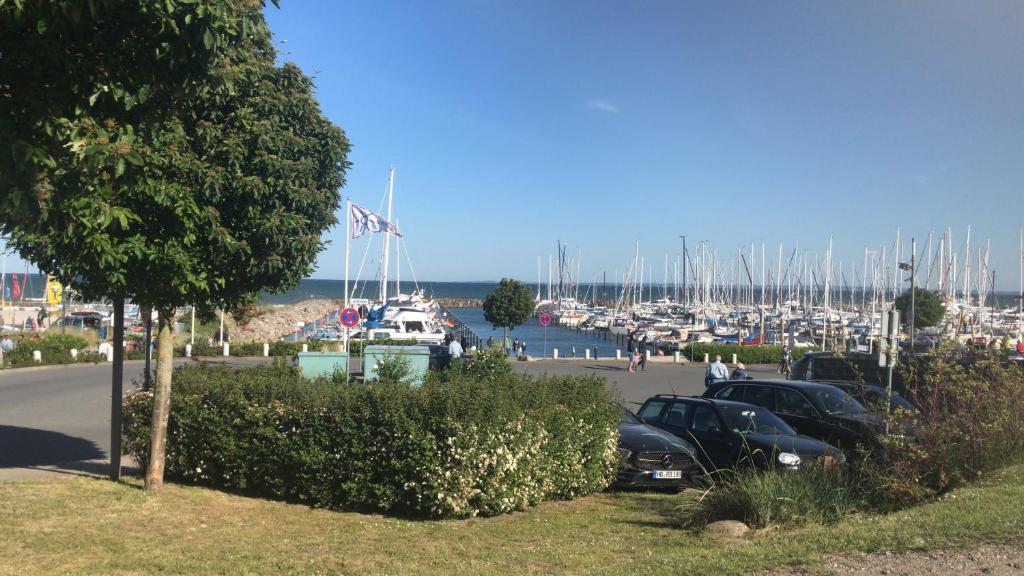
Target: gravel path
(988, 560)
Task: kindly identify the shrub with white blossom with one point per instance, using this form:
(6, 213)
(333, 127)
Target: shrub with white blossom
(468, 442)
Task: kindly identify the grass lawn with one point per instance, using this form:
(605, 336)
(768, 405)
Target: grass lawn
(91, 526)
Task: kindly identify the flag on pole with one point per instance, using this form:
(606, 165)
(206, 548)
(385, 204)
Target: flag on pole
(367, 222)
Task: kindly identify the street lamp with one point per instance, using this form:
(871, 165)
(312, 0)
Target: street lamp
(912, 268)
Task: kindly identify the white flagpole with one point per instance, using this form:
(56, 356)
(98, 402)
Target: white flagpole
(348, 241)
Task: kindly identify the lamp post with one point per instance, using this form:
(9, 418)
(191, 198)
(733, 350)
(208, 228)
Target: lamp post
(913, 285)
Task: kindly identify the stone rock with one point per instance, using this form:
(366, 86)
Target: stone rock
(275, 322)
(727, 529)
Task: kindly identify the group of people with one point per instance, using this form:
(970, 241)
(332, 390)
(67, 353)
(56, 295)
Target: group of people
(514, 347)
(456, 346)
(637, 350)
(719, 372)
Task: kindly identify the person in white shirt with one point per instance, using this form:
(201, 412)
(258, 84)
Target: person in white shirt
(455, 349)
(717, 372)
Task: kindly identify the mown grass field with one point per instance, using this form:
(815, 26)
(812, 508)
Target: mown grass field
(92, 526)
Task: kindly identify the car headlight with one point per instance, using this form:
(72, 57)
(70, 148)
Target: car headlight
(789, 459)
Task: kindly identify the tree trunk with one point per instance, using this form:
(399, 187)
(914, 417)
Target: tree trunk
(161, 400)
(504, 339)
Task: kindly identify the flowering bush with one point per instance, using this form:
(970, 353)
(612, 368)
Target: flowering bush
(55, 349)
(458, 446)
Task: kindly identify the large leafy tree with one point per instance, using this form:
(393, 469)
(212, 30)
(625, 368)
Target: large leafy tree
(928, 309)
(155, 151)
(508, 306)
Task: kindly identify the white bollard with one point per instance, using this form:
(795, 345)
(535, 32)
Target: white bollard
(586, 353)
(37, 355)
(188, 350)
(74, 352)
(647, 354)
(227, 349)
(110, 353)
(305, 347)
(734, 358)
(675, 356)
(618, 354)
(706, 359)
(266, 349)
(554, 353)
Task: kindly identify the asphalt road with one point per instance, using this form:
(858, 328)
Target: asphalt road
(56, 419)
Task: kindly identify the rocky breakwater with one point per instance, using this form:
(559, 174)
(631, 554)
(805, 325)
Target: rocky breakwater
(460, 302)
(275, 322)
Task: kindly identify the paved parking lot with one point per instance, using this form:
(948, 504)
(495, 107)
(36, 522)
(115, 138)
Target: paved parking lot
(660, 377)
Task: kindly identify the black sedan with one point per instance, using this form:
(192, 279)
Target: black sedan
(813, 409)
(649, 457)
(734, 434)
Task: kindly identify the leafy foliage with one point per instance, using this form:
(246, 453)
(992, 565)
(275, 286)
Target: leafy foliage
(745, 354)
(457, 446)
(54, 348)
(155, 151)
(928, 308)
(509, 305)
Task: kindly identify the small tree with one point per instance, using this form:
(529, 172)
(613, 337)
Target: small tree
(928, 309)
(154, 151)
(508, 306)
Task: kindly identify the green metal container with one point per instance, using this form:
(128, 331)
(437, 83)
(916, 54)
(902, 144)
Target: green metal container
(418, 358)
(316, 364)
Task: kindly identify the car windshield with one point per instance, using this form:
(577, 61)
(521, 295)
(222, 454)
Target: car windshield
(753, 419)
(628, 418)
(834, 401)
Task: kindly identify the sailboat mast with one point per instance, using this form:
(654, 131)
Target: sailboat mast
(387, 245)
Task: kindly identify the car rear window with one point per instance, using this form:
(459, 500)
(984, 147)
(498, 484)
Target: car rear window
(833, 369)
(651, 410)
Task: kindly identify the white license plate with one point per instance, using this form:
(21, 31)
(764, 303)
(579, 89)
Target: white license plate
(668, 474)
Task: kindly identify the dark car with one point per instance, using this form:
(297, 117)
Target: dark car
(813, 409)
(730, 434)
(875, 398)
(652, 457)
(850, 367)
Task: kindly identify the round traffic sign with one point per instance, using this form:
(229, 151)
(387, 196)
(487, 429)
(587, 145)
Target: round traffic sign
(349, 317)
(545, 319)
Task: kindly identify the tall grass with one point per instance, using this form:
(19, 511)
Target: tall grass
(766, 498)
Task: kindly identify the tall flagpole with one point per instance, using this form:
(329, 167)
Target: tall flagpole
(348, 241)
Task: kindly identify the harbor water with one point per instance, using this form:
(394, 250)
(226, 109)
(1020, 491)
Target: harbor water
(531, 332)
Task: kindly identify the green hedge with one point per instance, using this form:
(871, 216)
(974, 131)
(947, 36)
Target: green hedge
(281, 348)
(55, 349)
(745, 354)
(476, 439)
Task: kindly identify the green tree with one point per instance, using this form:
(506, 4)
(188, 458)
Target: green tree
(154, 151)
(508, 306)
(928, 308)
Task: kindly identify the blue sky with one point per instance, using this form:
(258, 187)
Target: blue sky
(515, 124)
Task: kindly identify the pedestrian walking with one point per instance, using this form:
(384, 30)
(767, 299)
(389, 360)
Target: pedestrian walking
(515, 347)
(784, 364)
(490, 342)
(642, 351)
(740, 373)
(716, 372)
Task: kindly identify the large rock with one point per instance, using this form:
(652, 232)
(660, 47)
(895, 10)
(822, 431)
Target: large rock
(727, 529)
(278, 321)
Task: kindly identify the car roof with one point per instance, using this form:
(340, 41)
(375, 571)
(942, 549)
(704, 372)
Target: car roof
(701, 399)
(794, 384)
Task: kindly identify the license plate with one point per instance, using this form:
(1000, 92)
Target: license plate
(668, 474)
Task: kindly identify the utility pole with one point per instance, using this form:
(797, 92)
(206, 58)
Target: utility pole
(117, 390)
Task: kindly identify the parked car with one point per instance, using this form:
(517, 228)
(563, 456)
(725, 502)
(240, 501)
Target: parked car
(851, 367)
(813, 409)
(875, 398)
(730, 434)
(652, 457)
